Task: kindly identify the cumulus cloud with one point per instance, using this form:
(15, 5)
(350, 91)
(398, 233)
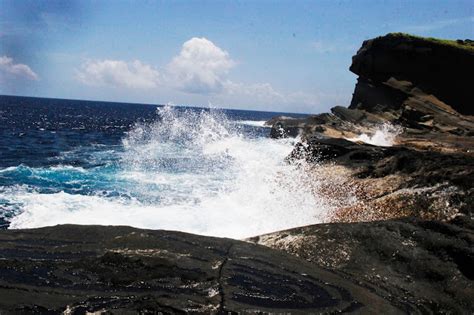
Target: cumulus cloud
(118, 73)
(200, 67)
(19, 70)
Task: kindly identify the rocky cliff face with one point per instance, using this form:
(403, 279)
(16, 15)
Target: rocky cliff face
(419, 90)
(423, 85)
(432, 66)
(424, 88)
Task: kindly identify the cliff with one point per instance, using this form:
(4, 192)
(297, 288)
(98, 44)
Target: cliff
(386, 65)
(417, 92)
(423, 85)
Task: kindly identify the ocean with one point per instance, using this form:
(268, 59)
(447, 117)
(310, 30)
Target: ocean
(199, 170)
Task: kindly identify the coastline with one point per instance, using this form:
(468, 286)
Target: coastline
(413, 254)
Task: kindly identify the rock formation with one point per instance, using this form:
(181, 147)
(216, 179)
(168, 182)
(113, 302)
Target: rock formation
(424, 85)
(397, 66)
(423, 88)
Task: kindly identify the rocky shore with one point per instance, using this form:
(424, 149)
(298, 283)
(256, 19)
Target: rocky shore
(403, 244)
(426, 171)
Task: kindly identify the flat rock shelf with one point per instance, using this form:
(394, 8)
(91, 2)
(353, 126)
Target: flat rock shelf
(76, 269)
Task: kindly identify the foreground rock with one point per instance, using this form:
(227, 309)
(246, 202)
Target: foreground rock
(77, 269)
(406, 266)
(420, 266)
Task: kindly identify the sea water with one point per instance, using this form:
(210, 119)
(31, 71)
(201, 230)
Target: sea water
(200, 170)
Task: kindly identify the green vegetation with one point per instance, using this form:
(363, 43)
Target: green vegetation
(461, 44)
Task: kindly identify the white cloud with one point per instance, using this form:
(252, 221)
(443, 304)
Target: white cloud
(118, 73)
(7, 66)
(200, 67)
(199, 73)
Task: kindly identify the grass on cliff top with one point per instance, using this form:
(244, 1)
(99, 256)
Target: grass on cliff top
(466, 44)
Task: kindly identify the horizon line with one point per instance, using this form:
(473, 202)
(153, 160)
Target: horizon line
(160, 105)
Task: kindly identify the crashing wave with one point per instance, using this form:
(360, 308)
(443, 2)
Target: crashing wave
(193, 171)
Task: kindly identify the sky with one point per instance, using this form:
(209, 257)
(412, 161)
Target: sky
(289, 56)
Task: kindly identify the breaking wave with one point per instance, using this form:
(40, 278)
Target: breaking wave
(192, 171)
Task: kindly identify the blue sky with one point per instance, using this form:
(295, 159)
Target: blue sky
(288, 56)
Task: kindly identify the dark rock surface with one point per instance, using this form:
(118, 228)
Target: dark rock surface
(439, 67)
(421, 266)
(74, 269)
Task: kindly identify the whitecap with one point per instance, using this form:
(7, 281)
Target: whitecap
(192, 171)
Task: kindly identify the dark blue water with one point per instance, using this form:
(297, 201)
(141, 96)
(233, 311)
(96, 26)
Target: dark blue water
(193, 169)
(38, 131)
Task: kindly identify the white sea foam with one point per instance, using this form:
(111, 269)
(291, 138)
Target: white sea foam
(9, 169)
(191, 172)
(254, 123)
(385, 136)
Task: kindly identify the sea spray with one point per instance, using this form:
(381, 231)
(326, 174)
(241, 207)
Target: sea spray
(193, 171)
(384, 135)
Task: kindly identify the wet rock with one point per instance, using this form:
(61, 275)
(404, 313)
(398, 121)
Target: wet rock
(287, 127)
(419, 263)
(429, 185)
(78, 269)
(420, 266)
(4, 224)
